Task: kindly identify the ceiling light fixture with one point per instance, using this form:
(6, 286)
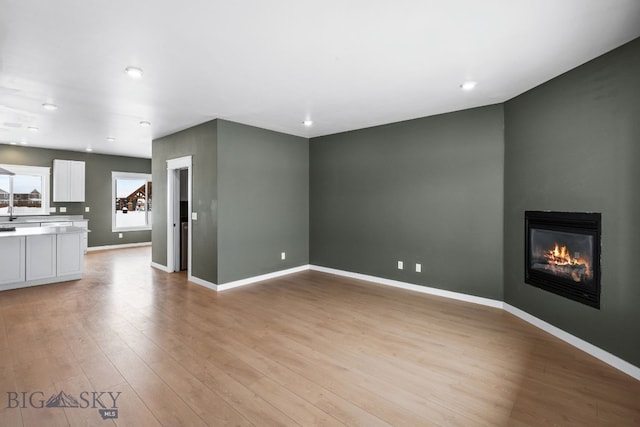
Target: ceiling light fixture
(89, 149)
(33, 129)
(145, 124)
(50, 107)
(13, 143)
(134, 72)
(468, 85)
(308, 122)
(110, 139)
(23, 142)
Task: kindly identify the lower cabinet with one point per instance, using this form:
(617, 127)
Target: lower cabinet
(70, 250)
(41, 257)
(12, 260)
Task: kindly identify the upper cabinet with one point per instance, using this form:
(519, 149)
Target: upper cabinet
(68, 181)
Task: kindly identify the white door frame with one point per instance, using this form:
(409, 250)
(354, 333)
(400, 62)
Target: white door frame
(173, 211)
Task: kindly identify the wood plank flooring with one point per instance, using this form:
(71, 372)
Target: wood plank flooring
(305, 349)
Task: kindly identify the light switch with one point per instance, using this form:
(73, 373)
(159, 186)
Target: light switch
(87, 209)
(194, 216)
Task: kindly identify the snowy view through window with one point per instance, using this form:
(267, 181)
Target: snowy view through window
(27, 194)
(133, 203)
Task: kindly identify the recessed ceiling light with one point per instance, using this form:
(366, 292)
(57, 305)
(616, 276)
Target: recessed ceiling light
(13, 143)
(89, 149)
(110, 139)
(23, 142)
(50, 107)
(134, 72)
(469, 85)
(145, 124)
(33, 129)
(308, 123)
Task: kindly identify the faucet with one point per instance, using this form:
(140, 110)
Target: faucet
(11, 217)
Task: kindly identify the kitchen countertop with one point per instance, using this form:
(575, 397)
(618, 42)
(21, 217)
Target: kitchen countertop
(4, 221)
(40, 231)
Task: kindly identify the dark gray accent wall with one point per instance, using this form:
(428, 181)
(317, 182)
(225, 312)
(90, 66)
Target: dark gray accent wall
(573, 144)
(425, 191)
(98, 168)
(263, 189)
(200, 142)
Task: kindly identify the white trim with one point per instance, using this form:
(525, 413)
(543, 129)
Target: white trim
(250, 280)
(123, 246)
(410, 286)
(173, 165)
(579, 343)
(160, 267)
(202, 282)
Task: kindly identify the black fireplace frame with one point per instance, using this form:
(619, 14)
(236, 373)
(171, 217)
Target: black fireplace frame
(569, 222)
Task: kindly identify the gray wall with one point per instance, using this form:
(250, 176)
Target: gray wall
(573, 144)
(201, 143)
(97, 187)
(263, 189)
(425, 191)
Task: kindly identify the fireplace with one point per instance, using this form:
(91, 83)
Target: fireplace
(562, 254)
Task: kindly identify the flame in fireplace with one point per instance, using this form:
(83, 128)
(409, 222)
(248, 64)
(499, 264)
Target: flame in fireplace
(560, 256)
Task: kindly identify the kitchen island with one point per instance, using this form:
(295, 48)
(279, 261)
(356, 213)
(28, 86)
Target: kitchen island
(31, 256)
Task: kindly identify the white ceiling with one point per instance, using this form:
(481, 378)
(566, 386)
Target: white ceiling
(345, 64)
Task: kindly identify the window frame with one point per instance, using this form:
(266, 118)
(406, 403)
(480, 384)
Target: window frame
(44, 173)
(129, 175)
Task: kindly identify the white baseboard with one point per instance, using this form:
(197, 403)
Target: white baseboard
(123, 246)
(202, 282)
(583, 345)
(250, 280)
(160, 267)
(410, 286)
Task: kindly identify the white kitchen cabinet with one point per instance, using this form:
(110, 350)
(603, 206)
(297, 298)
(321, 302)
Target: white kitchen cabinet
(12, 259)
(38, 256)
(68, 180)
(70, 261)
(85, 236)
(41, 257)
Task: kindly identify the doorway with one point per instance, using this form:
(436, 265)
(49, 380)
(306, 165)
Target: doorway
(179, 232)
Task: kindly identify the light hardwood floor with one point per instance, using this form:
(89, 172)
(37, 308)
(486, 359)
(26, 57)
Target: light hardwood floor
(305, 349)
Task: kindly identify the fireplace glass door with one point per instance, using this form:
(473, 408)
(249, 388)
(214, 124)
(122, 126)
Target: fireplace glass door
(563, 254)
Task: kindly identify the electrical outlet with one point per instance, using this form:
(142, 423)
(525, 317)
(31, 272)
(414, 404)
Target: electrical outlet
(400, 265)
(283, 255)
(194, 216)
(52, 209)
(418, 268)
(119, 235)
(87, 209)
(63, 209)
